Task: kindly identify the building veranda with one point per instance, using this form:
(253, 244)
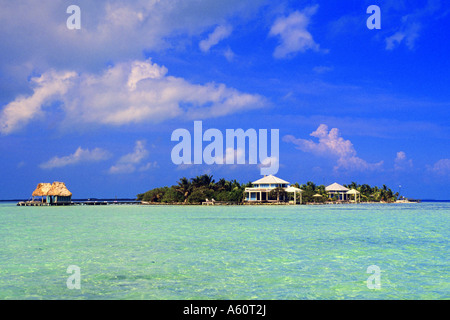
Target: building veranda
(340, 193)
(271, 189)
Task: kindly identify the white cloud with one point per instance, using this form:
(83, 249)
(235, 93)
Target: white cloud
(148, 166)
(220, 33)
(332, 144)
(401, 162)
(293, 33)
(131, 162)
(411, 27)
(231, 156)
(81, 155)
(229, 54)
(269, 162)
(142, 70)
(131, 92)
(394, 40)
(409, 33)
(441, 168)
(49, 86)
(36, 32)
(322, 69)
(21, 164)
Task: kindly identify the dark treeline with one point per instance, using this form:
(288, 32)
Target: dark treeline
(200, 188)
(197, 190)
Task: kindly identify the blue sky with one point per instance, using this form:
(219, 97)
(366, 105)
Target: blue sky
(96, 107)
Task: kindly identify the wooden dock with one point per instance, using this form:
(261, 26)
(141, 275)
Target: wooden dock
(220, 203)
(76, 203)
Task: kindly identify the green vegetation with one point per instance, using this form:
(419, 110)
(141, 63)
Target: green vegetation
(368, 193)
(197, 190)
(309, 190)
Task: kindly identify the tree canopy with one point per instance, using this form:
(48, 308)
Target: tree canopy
(196, 190)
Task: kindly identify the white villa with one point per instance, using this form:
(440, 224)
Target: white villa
(338, 191)
(260, 192)
(342, 193)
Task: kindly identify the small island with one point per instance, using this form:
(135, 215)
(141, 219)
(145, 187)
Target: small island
(267, 190)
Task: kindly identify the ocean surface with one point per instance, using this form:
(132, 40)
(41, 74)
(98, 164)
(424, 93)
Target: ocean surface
(226, 252)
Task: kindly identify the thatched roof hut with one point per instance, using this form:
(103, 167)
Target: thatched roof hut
(41, 190)
(59, 189)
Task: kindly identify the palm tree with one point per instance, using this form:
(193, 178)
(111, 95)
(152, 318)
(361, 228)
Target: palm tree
(207, 180)
(184, 187)
(352, 185)
(196, 182)
(278, 191)
(220, 185)
(234, 184)
(203, 181)
(311, 186)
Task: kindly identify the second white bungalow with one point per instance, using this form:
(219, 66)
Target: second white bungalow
(260, 192)
(342, 193)
(338, 191)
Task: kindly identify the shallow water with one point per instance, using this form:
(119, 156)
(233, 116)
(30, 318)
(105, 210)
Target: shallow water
(225, 252)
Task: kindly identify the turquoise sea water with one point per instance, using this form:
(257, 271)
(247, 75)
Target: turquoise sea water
(225, 252)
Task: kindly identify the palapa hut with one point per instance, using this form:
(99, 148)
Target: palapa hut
(56, 193)
(59, 194)
(41, 190)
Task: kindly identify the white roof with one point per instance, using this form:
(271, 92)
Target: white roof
(270, 179)
(336, 187)
(293, 189)
(353, 191)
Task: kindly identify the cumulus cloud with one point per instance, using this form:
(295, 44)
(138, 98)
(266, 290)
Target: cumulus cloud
(229, 54)
(411, 27)
(231, 156)
(441, 168)
(408, 34)
(322, 69)
(401, 162)
(141, 70)
(129, 92)
(36, 32)
(293, 33)
(333, 145)
(220, 33)
(131, 162)
(269, 162)
(79, 156)
(46, 88)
